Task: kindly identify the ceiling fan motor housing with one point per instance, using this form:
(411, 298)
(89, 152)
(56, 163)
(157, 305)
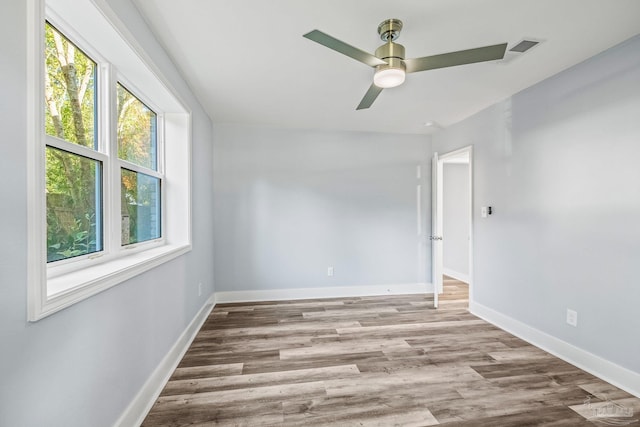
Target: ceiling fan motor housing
(393, 54)
(390, 50)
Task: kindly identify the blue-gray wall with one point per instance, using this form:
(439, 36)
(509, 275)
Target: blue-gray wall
(290, 203)
(82, 366)
(559, 164)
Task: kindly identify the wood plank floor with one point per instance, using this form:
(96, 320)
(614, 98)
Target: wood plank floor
(376, 361)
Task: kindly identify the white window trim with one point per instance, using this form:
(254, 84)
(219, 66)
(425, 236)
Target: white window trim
(49, 293)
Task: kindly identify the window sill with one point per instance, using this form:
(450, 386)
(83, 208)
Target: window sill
(70, 288)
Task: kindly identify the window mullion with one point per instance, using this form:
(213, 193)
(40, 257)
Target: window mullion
(112, 181)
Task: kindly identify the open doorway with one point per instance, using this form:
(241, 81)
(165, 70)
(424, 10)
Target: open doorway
(452, 227)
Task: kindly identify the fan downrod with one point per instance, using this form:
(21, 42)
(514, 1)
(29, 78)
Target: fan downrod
(389, 29)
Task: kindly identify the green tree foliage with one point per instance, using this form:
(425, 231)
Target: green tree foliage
(136, 130)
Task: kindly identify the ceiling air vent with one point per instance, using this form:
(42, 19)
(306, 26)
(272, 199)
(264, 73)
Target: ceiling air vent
(524, 46)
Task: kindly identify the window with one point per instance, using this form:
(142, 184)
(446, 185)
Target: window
(140, 183)
(104, 129)
(73, 174)
(74, 205)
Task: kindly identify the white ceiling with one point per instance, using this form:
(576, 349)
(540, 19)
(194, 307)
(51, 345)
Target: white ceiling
(248, 63)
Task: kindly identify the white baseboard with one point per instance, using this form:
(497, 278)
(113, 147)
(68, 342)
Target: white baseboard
(455, 274)
(146, 397)
(326, 292)
(617, 375)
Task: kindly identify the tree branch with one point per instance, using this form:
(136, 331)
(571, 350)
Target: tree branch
(84, 83)
(53, 108)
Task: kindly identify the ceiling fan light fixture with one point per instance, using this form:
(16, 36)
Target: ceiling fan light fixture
(389, 77)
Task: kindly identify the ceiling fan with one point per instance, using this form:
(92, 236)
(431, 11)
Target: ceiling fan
(389, 61)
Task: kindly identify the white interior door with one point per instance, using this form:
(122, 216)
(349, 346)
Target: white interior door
(436, 229)
(437, 220)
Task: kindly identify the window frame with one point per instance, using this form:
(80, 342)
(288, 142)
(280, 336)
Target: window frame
(60, 284)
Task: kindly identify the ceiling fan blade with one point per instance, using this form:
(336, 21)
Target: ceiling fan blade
(369, 97)
(344, 48)
(461, 57)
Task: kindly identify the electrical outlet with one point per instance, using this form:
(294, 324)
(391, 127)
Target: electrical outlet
(572, 317)
(200, 289)
(329, 271)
